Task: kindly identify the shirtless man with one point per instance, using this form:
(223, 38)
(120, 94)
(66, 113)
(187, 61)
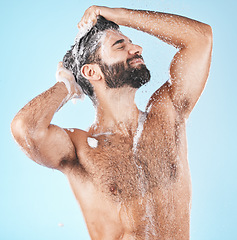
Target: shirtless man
(129, 172)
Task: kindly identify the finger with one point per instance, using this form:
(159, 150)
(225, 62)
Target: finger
(80, 23)
(89, 16)
(93, 20)
(82, 20)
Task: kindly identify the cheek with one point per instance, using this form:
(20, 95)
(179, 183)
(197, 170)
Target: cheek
(104, 54)
(111, 57)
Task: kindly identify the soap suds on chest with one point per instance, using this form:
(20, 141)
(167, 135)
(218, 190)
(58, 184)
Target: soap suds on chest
(92, 142)
(141, 120)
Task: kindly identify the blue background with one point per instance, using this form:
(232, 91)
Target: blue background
(34, 37)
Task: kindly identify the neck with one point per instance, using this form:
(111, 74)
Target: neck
(117, 111)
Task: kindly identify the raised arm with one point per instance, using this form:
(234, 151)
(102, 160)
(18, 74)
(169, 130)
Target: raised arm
(189, 68)
(46, 144)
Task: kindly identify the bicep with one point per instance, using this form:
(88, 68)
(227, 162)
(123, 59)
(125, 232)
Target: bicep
(52, 147)
(188, 74)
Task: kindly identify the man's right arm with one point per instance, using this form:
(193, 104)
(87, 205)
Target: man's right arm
(45, 143)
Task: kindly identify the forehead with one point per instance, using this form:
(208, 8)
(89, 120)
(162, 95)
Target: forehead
(107, 52)
(112, 36)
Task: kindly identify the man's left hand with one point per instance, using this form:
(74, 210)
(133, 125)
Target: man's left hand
(91, 14)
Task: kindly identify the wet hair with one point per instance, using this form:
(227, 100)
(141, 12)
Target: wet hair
(85, 51)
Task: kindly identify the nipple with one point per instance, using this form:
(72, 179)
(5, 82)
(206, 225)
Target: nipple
(114, 189)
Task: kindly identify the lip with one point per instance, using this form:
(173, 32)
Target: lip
(137, 60)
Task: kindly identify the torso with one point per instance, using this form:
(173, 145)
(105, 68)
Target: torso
(135, 189)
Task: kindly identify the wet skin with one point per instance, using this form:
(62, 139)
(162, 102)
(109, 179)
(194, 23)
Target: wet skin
(127, 192)
(142, 194)
(127, 189)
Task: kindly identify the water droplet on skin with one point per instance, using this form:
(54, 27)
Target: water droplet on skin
(70, 129)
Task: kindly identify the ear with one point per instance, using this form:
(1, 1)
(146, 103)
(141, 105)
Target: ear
(91, 72)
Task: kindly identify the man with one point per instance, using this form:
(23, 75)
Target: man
(129, 172)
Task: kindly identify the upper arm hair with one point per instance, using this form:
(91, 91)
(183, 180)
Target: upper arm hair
(189, 71)
(162, 99)
(54, 148)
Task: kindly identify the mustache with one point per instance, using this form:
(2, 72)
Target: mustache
(134, 57)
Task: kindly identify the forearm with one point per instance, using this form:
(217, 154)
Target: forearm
(173, 29)
(38, 113)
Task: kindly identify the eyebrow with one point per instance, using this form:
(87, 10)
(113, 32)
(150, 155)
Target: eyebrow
(118, 42)
(121, 41)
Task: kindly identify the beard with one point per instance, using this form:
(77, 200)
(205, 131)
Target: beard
(118, 75)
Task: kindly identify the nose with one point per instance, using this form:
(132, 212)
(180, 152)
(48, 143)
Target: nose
(135, 49)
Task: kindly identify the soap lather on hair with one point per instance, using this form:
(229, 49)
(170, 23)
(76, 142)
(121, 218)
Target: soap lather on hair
(85, 51)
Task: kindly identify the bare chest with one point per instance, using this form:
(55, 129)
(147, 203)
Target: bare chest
(126, 167)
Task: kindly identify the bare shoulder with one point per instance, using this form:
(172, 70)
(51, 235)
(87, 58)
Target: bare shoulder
(160, 102)
(76, 134)
(79, 140)
(78, 137)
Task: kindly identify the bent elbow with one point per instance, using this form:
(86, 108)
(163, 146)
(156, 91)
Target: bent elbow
(18, 129)
(209, 34)
(209, 41)
(21, 132)
(24, 137)
(204, 40)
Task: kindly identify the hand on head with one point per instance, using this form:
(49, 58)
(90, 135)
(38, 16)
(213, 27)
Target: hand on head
(90, 16)
(62, 72)
(66, 76)
(88, 20)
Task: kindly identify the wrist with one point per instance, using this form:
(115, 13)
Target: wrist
(64, 82)
(63, 92)
(62, 87)
(124, 16)
(113, 14)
